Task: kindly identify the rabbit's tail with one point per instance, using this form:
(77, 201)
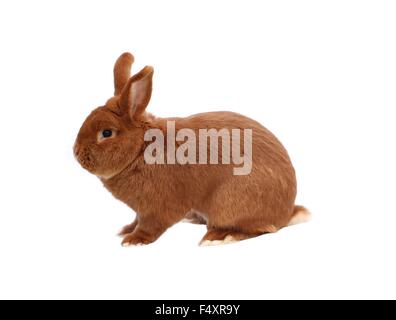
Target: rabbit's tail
(300, 215)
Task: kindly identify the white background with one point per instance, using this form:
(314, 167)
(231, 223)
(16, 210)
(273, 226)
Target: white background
(320, 74)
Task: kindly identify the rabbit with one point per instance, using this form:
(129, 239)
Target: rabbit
(111, 145)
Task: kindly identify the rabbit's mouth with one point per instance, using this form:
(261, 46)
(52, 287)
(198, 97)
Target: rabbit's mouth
(88, 163)
(84, 158)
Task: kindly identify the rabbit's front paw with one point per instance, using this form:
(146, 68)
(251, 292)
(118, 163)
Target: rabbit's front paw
(128, 229)
(136, 240)
(147, 231)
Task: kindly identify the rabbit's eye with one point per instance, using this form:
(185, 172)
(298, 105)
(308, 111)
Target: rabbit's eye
(107, 133)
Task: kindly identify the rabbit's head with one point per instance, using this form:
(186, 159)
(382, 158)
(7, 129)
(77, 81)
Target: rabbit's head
(112, 136)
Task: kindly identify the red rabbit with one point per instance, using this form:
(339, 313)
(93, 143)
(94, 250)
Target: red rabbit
(111, 145)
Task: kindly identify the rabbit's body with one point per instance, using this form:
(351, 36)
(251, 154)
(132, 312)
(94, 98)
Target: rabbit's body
(234, 207)
(262, 201)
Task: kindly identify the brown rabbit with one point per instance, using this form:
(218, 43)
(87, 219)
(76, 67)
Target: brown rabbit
(111, 144)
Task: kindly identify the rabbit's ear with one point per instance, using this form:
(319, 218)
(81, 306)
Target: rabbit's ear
(122, 71)
(137, 92)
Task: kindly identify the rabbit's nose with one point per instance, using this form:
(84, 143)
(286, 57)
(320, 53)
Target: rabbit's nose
(76, 149)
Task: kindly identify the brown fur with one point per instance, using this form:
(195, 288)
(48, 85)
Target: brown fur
(162, 195)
